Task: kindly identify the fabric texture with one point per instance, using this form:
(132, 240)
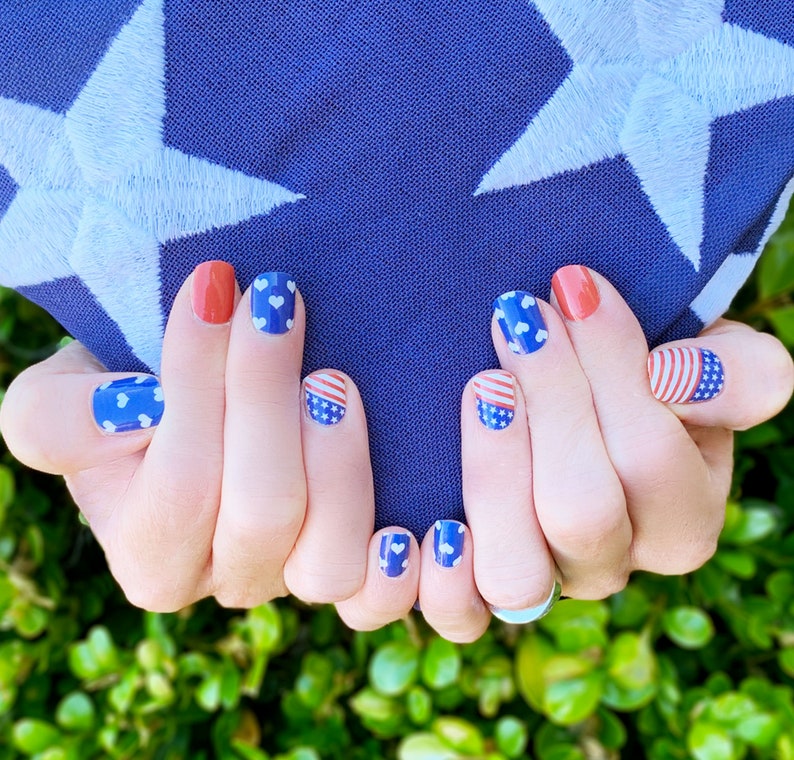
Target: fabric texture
(405, 162)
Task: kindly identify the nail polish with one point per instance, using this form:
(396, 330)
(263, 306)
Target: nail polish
(393, 555)
(576, 292)
(132, 403)
(685, 375)
(212, 292)
(326, 398)
(521, 321)
(273, 303)
(448, 539)
(495, 394)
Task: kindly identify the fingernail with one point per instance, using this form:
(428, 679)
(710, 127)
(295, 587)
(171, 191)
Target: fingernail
(273, 303)
(394, 551)
(132, 403)
(576, 292)
(326, 398)
(496, 398)
(685, 375)
(448, 542)
(212, 292)
(521, 321)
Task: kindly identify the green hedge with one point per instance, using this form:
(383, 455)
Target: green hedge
(695, 667)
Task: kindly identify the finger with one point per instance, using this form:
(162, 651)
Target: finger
(341, 508)
(264, 489)
(448, 596)
(68, 414)
(391, 584)
(729, 376)
(513, 567)
(578, 497)
(675, 501)
(159, 540)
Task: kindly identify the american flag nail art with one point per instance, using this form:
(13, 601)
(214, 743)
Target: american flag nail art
(326, 398)
(685, 375)
(496, 399)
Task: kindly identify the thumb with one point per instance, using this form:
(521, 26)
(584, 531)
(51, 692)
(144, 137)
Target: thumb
(729, 376)
(67, 414)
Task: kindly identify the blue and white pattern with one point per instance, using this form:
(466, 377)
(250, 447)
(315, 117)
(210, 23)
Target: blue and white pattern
(395, 549)
(132, 403)
(326, 397)
(273, 302)
(495, 394)
(521, 322)
(406, 164)
(449, 537)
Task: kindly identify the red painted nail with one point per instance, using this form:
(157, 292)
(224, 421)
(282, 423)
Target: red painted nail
(212, 293)
(576, 292)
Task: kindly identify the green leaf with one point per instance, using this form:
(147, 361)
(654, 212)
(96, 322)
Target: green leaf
(776, 267)
(740, 564)
(208, 693)
(441, 663)
(688, 627)
(33, 736)
(394, 668)
(750, 526)
(760, 730)
(631, 663)
(265, 627)
(709, 742)
(425, 746)
(533, 653)
(511, 736)
(782, 320)
(369, 704)
(571, 701)
(76, 712)
(7, 491)
(419, 705)
(460, 735)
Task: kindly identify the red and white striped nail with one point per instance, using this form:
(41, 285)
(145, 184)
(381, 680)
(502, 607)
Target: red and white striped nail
(326, 398)
(685, 375)
(496, 398)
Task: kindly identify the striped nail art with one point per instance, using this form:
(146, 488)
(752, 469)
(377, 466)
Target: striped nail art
(393, 556)
(448, 539)
(521, 321)
(685, 375)
(326, 398)
(132, 403)
(496, 398)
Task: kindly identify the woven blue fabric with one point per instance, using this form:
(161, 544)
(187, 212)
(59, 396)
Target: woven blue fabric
(407, 162)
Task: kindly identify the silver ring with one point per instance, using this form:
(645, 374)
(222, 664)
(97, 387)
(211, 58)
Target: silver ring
(529, 615)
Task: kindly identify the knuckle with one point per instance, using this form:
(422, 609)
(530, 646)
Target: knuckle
(602, 524)
(20, 419)
(316, 582)
(154, 598)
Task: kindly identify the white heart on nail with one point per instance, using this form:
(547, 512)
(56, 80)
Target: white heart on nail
(521, 328)
(158, 395)
(290, 286)
(260, 284)
(541, 335)
(145, 420)
(276, 301)
(528, 301)
(499, 314)
(514, 347)
(109, 426)
(289, 324)
(457, 561)
(446, 549)
(259, 322)
(122, 399)
(398, 548)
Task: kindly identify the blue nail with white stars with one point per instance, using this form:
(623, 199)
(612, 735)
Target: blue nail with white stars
(132, 403)
(495, 393)
(273, 302)
(448, 537)
(521, 321)
(394, 551)
(326, 397)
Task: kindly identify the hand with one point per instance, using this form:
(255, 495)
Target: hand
(595, 477)
(239, 492)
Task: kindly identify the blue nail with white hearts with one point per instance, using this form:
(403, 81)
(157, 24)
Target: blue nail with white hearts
(273, 303)
(393, 555)
(448, 539)
(132, 403)
(521, 321)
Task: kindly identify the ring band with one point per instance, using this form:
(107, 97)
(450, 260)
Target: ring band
(529, 615)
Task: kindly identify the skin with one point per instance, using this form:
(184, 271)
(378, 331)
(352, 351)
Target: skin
(595, 478)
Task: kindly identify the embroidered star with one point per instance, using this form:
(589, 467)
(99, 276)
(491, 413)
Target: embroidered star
(648, 79)
(99, 191)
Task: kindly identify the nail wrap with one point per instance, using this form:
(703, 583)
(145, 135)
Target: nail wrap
(273, 302)
(326, 398)
(212, 293)
(521, 321)
(448, 538)
(685, 375)
(132, 403)
(394, 551)
(496, 398)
